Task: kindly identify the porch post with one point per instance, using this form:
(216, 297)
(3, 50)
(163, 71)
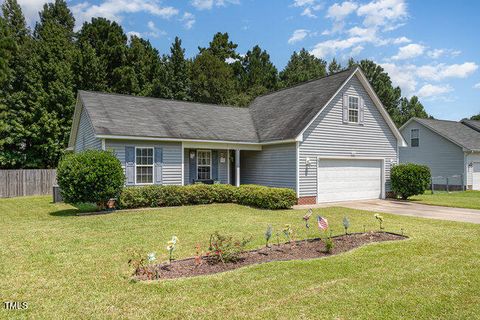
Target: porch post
(237, 167)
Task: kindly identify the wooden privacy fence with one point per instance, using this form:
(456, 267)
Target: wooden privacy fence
(27, 182)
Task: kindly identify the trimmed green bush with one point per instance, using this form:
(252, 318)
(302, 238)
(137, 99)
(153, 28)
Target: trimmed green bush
(265, 197)
(410, 179)
(92, 176)
(250, 195)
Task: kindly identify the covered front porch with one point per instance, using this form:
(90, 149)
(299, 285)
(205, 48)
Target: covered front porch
(218, 163)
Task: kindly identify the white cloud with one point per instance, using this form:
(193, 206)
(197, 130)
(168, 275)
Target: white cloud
(430, 90)
(113, 10)
(477, 86)
(401, 40)
(209, 4)
(133, 33)
(438, 53)
(310, 6)
(402, 76)
(338, 12)
(154, 31)
(441, 71)
(298, 35)
(302, 3)
(330, 47)
(409, 51)
(383, 12)
(30, 9)
(188, 20)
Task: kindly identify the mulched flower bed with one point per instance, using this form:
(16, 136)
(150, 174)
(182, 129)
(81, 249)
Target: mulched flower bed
(313, 248)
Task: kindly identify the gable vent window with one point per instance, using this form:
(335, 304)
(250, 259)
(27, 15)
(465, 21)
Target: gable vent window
(204, 164)
(144, 165)
(414, 138)
(353, 109)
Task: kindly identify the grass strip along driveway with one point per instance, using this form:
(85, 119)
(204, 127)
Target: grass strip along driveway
(458, 199)
(68, 266)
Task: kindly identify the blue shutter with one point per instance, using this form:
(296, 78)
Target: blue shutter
(192, 166)
(158, 158)
(214, 164)
(130, 165)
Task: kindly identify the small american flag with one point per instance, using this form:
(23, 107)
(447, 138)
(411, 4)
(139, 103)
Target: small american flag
(322, 223)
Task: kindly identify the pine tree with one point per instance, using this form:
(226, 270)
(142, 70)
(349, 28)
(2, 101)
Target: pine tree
(221, 47)
(177, 67)
(260, 75)
(56, 51)
(212, 79)
(88, 69)
(110, 44)
(302, 67)
(334, 67)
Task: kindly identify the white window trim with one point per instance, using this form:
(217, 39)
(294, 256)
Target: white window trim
(204, 165)
(418, 137)
(145, 165)
(358, 109)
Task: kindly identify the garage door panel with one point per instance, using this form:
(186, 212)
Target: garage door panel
(349, 179)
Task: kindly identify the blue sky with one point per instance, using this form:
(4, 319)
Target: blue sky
(429, 48)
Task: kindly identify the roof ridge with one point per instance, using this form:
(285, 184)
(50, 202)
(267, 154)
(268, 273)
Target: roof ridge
(163, 99)
(303, 83)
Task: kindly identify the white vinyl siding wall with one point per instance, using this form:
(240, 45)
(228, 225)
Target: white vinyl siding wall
(172, 157)
(85, 135)
(443, 157)
(274, 166)
(329, 136)
(471, 158)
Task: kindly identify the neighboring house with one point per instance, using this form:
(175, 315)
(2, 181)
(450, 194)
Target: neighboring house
(328, 139)
(450, 149)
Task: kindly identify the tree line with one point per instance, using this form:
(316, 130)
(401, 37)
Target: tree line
(42, 69)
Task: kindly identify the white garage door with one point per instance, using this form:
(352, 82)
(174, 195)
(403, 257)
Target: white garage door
(349, 179)
(476, 176)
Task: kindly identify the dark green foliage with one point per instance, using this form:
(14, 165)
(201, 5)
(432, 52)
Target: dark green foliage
(212, 79)
(475, 117)
(329, 245)
(334, 67)
(91, 176)
(260, 75)
(265, 197)
(251, 195)
(410, 179)
(225, 249)
(221, 47)
(302, 67)
(179, 84)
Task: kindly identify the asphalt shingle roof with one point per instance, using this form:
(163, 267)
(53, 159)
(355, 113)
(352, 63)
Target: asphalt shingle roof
(280, 115)
(474, 124)
(457, 132)
(114, 114)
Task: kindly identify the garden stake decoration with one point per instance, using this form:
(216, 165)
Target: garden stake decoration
(287, 232)
(346, 224)
(171, 245)
(198, 255)
(380, 220)
(151, 257)
(305, 218)
(278, 238)
(268, 235)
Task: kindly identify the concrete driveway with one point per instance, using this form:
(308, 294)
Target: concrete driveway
(406, 208)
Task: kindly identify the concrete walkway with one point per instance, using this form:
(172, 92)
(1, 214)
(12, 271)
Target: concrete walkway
(406, 208)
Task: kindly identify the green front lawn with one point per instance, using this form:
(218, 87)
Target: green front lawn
(66, 266)
(459, 199)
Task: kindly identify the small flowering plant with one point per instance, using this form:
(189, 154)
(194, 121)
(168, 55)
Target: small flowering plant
(380, 220)
(171, 246)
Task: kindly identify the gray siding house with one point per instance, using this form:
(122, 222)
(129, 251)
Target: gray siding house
(450, 149)
(329, 139)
